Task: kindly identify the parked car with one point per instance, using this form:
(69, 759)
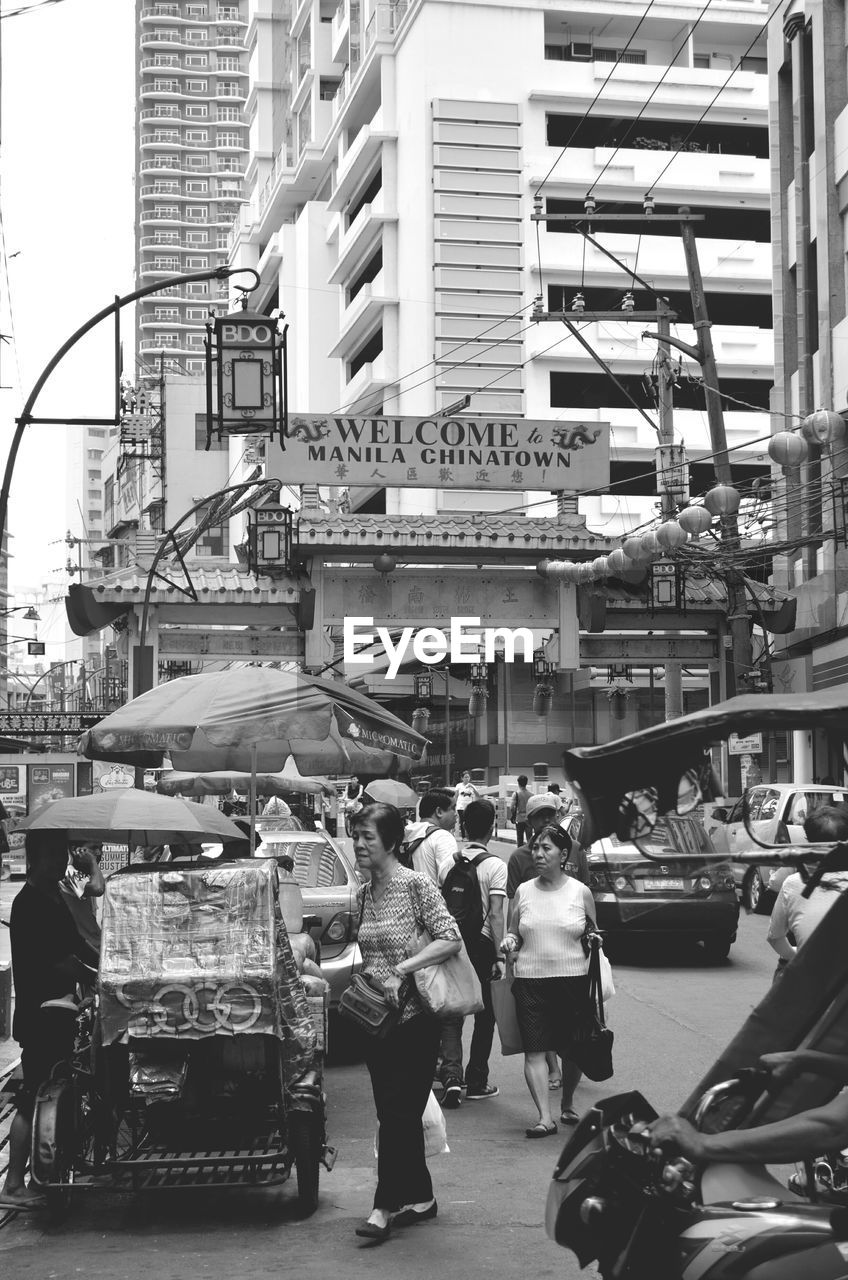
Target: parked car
(667, 896)
(776, 815)
(328, 881)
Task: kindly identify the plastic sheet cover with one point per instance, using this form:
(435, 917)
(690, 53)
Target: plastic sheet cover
(191, 952)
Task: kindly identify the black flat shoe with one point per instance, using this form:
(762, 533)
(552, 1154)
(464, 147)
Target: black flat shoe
(370, 1231)
(407, 1217)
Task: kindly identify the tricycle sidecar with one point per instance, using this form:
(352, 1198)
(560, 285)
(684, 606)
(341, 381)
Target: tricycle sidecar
(199, 1061)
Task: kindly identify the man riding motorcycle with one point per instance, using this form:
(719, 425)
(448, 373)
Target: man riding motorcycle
(795, 1138)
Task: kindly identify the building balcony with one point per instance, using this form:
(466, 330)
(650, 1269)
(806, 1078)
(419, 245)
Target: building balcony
(362, 315)
(685, 91)
(230, 13)
(160, 113)
(672, 176)
(159, 189)
(226, 42)
(660, 258)
(161, 88)
(149, 39)
(161, 62)
(167, 12)
(370, 378)
(172, 139)
(340, 33)
(223, 94)
(159, 215)
(740, 350)
(160, 268)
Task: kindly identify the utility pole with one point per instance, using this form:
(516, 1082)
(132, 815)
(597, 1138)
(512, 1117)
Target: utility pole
(739, 658)
(665, 411)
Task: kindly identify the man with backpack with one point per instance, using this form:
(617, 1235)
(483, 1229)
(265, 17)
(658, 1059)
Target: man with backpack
(475, 892)
(430, 846)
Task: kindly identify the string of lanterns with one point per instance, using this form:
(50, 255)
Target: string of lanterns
(789, 449)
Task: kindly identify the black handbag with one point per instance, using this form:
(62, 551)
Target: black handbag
(364, 1001)
(592, 1045)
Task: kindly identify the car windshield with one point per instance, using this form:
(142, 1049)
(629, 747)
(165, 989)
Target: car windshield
(317, 865)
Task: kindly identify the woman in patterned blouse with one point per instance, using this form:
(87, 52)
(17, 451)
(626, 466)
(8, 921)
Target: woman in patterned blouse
(394, 903)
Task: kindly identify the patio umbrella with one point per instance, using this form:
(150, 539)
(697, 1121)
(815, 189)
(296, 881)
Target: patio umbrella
(388, 791)
(134, 817)
(253, 719)
(173, 782)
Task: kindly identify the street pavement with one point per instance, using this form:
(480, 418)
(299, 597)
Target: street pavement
(672, 1014)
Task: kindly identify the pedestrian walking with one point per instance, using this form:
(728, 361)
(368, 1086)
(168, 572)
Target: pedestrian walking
(542, 810)
(393, 904)
(465, 792)
(518, 810)
(478, 878)
(550, 918)
(797, 910)
(429, 846)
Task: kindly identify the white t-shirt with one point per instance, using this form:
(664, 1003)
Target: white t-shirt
(491, 876)
(798, 915)
(434, 855)
(464, 794)
(550, 924)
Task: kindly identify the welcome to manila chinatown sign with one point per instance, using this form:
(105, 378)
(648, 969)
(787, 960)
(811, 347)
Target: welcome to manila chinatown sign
(434, 453)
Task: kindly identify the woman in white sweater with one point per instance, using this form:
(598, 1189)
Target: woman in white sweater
(550, 916)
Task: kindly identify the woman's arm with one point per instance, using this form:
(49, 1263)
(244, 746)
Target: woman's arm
(434, 953)
(589, 906)
(785, 1066)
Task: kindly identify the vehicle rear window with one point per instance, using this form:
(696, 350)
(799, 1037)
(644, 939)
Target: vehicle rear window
(316, 865)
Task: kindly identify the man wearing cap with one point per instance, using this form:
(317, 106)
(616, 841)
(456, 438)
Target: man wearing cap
(542, 811)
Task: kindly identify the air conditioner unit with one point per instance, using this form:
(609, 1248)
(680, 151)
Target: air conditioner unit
(582, 51)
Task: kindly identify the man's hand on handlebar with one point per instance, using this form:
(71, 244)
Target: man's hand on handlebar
(672, 1135)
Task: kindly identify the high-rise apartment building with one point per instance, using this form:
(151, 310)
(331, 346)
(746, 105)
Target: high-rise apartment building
(191, 148)
(394, 167)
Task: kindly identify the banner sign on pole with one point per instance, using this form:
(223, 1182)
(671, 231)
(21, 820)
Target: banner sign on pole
(751, 745)
(438, 453)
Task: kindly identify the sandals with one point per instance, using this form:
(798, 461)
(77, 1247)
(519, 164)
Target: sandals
(569, 1116)
(24, 1204)
(541, 1130)
(554, 1083)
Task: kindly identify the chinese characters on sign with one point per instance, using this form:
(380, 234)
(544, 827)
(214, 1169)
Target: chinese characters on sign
(46, 723)
(468, 453)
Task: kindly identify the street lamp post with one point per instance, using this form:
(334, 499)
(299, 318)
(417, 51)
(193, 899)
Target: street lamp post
(28, 417)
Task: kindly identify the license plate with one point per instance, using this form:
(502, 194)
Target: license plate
(667, 883)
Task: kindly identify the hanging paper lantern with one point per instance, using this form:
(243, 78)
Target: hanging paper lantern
(632, 548)
(788, 448)
(670, 535)
(543, 568)
(694, 521)
(385, 564)
(420, 719)
(650, 546)
(823, 427)
(477, 702)
(723, 500)
(586, 571)
(567, 570)
(616, 561)
(600, 567)
(543, 698)
(634, 575)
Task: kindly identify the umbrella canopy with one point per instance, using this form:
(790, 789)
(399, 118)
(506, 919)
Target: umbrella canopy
(221, 783)
(387, 791)
(253, 719)
(134, 817)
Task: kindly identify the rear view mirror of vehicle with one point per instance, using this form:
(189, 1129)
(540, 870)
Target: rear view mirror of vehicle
(719, 814)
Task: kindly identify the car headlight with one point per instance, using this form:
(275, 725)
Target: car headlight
(705, 883)
(620, 883)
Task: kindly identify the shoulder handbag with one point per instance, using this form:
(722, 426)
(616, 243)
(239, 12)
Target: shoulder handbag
(450, 989)
(364, 1003)
(591, 1048)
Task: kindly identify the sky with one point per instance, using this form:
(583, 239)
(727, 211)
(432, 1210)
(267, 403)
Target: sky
(66, 199)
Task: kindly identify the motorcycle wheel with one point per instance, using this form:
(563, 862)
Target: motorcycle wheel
(305, 1138)
(55, 1132)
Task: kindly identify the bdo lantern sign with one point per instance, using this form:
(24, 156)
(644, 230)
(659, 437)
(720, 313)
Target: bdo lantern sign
(246, 374)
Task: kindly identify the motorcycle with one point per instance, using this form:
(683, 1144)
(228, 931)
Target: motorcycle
(617, 1201)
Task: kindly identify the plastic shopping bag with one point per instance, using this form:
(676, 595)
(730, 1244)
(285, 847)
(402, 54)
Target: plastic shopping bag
(435, 1131)
(607, 984)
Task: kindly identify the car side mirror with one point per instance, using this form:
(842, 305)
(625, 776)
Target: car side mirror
(719, 814)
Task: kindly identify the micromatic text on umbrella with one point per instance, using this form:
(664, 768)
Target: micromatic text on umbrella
(465, 642)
